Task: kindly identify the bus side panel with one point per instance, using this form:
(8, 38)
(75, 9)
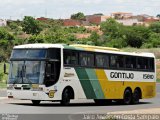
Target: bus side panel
(148, 89)
(111, 89)
(71, 79)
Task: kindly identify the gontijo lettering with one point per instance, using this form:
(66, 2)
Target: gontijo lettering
(122, 75)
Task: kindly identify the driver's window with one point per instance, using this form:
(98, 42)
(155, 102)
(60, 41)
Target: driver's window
(48, 68)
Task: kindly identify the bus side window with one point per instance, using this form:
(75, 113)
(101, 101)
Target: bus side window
(70, 57)
(102, 60)
(113, 60)
(86, 59)
(130, 62)
(151, 64)
(120, 61)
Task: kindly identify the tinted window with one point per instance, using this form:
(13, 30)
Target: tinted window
(54, 53)
(120, 61)
(113, 59)
(30, 53)
(102, 60)
(86, 59)
(70, 57)
(151, 64)
(141, 63)
(130, 62)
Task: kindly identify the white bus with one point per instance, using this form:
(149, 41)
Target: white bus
(59, 72)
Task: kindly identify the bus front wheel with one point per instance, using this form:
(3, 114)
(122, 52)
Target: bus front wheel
(36, 102)
(65, 97)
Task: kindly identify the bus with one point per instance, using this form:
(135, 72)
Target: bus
(60, 72)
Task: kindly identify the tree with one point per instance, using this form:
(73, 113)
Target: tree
(95, 38)
(158, 16)
(31, 26)
(5, 35)
(111, 28)
(78, 16)
(155, 27)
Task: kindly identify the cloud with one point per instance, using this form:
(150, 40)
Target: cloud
(21, 2)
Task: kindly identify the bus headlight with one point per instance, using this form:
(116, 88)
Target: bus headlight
(37, 89)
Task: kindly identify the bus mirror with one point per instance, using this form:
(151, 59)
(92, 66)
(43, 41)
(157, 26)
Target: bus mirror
(5, 68)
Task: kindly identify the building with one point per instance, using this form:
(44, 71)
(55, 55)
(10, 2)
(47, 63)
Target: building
(121, 15)
(96, 19)
(151, 20)
(142, 17)
(71, 22)
(129, 22)
(42, 19)
(3, 23)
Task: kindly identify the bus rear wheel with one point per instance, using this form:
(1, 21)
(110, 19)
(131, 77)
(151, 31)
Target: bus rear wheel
(65, 97)
(127, 98)
(36, 102)
(136, 97)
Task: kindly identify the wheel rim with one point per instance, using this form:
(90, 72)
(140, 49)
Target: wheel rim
(136, 97)
(127, 97)
(66, 98)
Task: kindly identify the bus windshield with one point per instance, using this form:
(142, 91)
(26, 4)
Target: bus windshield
(26, 72)
(29, 53)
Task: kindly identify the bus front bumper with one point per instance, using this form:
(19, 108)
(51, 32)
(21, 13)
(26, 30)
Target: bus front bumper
(32, 95)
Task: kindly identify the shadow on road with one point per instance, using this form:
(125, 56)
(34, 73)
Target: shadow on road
(76, 104)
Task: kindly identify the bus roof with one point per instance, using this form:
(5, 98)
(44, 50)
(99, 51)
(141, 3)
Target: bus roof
(38, 45)
(95, 47)
(84, 48)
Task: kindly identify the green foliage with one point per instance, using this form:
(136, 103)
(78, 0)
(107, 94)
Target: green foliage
(118, 35)
(31, 26)
(155, 27)
(53, 31)
(158, 16)
(95, 38)
(78, 16)
(111, 28)
(4, 34)
(36, 39)
(3, 77)
(75, 29)
(13, 26)
(154, 40)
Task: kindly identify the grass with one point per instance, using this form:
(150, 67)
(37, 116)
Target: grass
(3, 77)
(3, 85)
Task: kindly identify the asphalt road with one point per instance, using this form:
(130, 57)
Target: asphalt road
(76, 107)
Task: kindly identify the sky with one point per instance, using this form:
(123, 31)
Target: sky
(17, 9)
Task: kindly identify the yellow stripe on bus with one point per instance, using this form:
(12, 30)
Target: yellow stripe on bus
(102, 80)
(111, 89)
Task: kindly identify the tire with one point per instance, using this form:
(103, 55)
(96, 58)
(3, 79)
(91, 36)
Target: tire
(36, 102)
(102, 101)
(65, 97)
(136, 97)
(127, 97)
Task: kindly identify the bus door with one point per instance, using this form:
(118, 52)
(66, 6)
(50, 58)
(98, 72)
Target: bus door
(52, 70)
